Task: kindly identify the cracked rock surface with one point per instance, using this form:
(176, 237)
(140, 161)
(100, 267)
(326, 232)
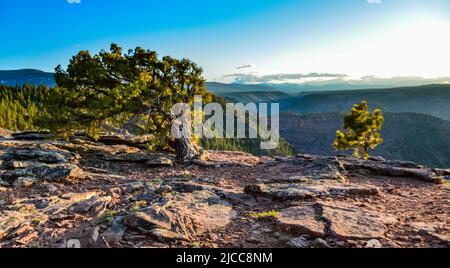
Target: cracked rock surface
(107, 195)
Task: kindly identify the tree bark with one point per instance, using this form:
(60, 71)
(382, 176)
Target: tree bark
(186, 151)
(185, 148)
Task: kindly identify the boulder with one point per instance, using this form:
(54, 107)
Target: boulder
(310, 190)
(44, 172)
(115, 136)
(294, 192)
(42, 153)
(151, 160)
(303, 168)
(33, 135)
(57, 173)
(282, 192)
(148, 220)
(395, 169)
(84, 146)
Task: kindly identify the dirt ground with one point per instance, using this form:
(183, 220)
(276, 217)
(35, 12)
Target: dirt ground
(421, 209)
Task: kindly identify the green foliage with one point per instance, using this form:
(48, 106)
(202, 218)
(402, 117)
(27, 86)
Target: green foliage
(108, 216)
(247, 145)
(361, 131)
(21, 106)
(25, 108)
(263, 216)
(252, 146)
(136, 89)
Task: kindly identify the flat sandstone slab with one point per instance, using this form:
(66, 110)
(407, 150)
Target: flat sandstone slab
(311, 190)
(350, 222)
(302, 220)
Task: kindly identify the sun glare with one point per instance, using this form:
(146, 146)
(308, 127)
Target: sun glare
(418, 46)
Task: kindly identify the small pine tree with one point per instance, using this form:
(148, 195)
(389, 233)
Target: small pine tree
(361, 131)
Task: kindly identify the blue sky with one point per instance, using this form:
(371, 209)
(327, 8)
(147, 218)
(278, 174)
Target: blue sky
(386, 38)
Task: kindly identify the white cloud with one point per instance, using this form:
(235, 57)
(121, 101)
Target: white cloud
(282, 77)
(323, 79)
(374, 1)
(74, 1)
(246, 66)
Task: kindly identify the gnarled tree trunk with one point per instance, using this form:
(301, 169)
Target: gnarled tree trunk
(186, 150)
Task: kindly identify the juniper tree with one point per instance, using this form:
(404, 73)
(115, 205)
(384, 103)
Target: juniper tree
(361, 131)
(135, 88)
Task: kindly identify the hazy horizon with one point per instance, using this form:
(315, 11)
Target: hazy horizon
(250, 42)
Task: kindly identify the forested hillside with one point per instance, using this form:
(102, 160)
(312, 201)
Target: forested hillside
(431, 100)
(255, 97)
(407, 136)
(20, 107)
(24, 108)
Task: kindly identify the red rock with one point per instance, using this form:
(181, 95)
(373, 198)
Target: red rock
(301, 220)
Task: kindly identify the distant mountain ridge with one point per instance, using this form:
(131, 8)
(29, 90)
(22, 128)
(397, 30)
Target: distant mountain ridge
(26, 76)
(34, 76)
(432, 100)
(219, 88)
(255, 97)
(292, 88)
